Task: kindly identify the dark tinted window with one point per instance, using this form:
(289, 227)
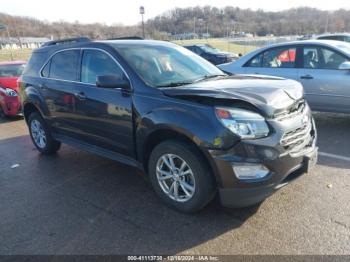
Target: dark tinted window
(64, 65)
(327, 38)
(255, 61)
(198, 50)
(35, 63)
(332, 37)
(97, 63)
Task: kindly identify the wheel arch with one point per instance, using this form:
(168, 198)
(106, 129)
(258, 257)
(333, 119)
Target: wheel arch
(160, 135)
(29, 108)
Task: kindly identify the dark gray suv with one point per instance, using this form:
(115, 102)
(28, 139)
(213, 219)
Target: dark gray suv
(157, 106)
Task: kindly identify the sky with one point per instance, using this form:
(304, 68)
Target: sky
(127, 11)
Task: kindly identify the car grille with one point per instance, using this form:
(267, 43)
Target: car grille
(299, 139)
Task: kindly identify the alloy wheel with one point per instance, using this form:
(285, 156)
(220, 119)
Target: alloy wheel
(175, 177)
(38, 133)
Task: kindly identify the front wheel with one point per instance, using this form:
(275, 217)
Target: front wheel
(2, 113)
(41, 136)
(180, 176)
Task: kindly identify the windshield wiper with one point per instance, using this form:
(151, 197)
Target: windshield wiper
(173, 84)
(208, 77)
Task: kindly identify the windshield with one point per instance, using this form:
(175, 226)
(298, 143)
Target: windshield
(167, 65)
(210, 49)
(11, 70)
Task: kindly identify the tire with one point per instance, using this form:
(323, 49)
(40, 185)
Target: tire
(41, 135)
(2, 113)
(194, 190)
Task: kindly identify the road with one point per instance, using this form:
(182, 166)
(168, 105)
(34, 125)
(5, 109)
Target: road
(78, 203)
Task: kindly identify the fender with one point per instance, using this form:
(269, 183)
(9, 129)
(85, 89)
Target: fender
(30, 95)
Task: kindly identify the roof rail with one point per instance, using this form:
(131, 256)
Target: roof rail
(126, 38)
(66, 41)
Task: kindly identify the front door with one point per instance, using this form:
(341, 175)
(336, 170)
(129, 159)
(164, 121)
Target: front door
(105, 114)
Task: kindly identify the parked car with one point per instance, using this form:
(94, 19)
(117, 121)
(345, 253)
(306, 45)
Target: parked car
(338, 37)
(159, 107)
(322, 66)
(212, 54)
(9, 99)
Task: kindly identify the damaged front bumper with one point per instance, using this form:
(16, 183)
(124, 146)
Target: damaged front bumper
(254, 169)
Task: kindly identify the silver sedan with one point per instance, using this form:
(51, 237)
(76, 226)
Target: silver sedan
(322, 66)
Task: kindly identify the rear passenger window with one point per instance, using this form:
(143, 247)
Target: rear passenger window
(322, 58)
(255, 62)
(64, 65)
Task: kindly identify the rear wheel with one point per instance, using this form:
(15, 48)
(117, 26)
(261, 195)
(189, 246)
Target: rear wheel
(180, 177)
(41, 136)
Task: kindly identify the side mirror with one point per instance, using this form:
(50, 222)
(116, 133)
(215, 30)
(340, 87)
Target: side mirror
(345, 66)
(112, 81)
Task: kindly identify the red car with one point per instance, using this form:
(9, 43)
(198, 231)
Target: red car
(9, 98)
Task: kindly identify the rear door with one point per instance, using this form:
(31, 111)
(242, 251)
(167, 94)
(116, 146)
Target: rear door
(277, 61)
(105, 114)
(59, 87)
(327, 88)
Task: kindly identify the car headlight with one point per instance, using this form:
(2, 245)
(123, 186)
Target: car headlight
(10, 92)
(246, 124)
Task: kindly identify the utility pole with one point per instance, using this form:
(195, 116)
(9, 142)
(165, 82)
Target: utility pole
(142, 12)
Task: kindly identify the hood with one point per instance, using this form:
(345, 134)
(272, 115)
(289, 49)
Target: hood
(9, 82)
(269, 94)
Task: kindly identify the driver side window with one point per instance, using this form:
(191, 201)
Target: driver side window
(98, 63)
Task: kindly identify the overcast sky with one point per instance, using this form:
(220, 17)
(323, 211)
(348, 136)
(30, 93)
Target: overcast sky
(127, 11)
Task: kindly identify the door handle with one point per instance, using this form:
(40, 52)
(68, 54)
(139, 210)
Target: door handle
(307, 77)
(80, 95)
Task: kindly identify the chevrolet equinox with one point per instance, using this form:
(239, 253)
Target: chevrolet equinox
(193, 129)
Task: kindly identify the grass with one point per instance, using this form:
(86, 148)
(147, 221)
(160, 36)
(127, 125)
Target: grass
(221, 44)
(17, 54)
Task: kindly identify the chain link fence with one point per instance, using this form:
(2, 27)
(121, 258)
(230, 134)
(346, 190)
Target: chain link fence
(251, 43)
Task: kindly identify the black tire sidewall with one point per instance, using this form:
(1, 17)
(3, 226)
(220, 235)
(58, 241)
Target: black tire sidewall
(205, 184)
(51, 145)
(2, 113)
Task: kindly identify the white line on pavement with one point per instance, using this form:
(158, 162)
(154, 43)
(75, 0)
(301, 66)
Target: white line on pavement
(334, 156)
